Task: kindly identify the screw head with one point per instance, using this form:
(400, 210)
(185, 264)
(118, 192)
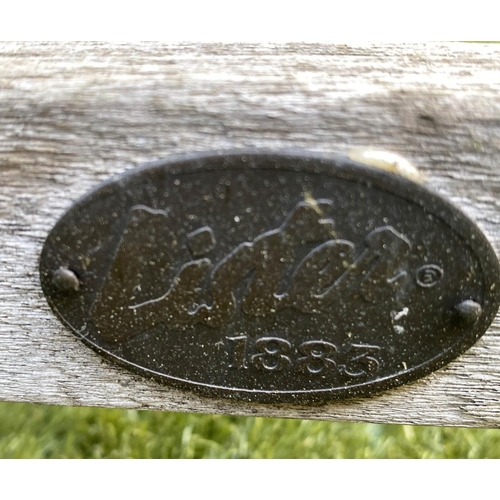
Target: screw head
(65, 280)
(469, 310)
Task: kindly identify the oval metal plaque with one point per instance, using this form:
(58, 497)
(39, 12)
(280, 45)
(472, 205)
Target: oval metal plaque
(271, 277)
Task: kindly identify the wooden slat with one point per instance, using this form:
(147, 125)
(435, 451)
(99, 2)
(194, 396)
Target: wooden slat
(71, 115)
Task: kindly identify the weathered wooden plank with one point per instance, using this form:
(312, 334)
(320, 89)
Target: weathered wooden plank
(71, 115)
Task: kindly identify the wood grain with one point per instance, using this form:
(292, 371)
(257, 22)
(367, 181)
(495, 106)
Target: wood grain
(72, 115)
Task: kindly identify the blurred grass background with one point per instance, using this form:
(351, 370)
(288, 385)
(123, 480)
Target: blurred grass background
(36, 431)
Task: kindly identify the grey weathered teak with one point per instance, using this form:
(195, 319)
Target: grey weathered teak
(72, 115)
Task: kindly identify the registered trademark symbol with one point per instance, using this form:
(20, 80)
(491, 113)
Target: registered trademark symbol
(429, 275)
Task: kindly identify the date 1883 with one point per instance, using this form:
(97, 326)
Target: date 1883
(316, 357)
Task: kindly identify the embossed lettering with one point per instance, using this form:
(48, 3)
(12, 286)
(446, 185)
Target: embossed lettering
(316, 356)
(361, 360)
(429, 275)
(313, 357)
(203, 291)
(239, 351)
(272, 354)
(267, 257)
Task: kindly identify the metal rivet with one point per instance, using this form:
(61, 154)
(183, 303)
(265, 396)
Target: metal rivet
(469, 310)
(65, 280)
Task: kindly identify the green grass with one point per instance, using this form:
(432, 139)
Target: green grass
(34, 431)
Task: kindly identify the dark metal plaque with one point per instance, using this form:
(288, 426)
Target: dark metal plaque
(271, 277)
